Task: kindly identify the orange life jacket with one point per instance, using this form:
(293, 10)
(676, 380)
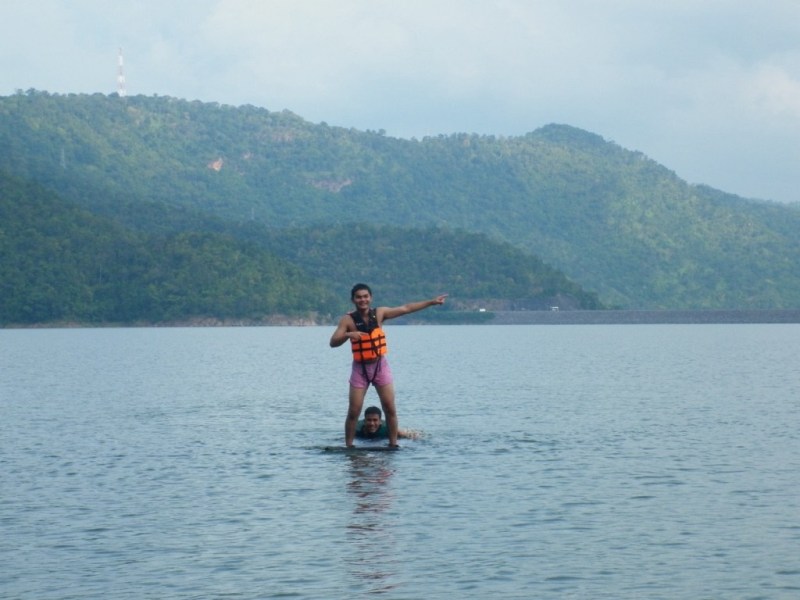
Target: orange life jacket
(370, 346)
(372, 343)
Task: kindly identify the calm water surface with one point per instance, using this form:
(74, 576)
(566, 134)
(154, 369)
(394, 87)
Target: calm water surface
(558, 462)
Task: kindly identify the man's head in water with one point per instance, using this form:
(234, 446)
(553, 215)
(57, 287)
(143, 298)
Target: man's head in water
(372, 420)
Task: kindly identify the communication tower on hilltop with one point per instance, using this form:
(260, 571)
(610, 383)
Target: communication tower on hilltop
(121, 77)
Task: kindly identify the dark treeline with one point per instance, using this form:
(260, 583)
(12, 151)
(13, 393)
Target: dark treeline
(61, 263)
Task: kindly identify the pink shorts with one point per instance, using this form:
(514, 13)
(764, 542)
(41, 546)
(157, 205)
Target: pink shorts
(379, 379)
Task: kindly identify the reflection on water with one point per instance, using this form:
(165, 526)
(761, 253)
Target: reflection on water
(370, 531)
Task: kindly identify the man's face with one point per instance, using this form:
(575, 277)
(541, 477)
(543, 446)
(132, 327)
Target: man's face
(371, 423)
(362, 299)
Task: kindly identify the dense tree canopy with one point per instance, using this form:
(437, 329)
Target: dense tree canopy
(61, 263)
(612, 220)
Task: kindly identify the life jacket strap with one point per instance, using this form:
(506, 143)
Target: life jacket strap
(367, 378)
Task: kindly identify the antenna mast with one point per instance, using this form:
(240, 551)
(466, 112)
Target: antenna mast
(121, 77)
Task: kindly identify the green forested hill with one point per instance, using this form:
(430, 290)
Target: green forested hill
(476, 271)
(610, 219)
(60, 263)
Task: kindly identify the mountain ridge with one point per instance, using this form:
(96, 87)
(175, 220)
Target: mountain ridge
(609, 218)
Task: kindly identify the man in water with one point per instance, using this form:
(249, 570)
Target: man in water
(372, 427)
(363, 329)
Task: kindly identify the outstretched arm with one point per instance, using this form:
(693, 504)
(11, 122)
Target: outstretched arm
(409, 434)
(385, 312)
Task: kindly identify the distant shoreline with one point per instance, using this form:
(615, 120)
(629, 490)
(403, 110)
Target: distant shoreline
(644, 317)
(518, 317)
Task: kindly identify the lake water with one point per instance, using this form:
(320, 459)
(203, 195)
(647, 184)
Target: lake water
(576, 461)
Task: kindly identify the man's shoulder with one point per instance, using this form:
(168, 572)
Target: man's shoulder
(380, 313)
(347, 322)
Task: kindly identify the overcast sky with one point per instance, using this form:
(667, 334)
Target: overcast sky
(708, 88)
